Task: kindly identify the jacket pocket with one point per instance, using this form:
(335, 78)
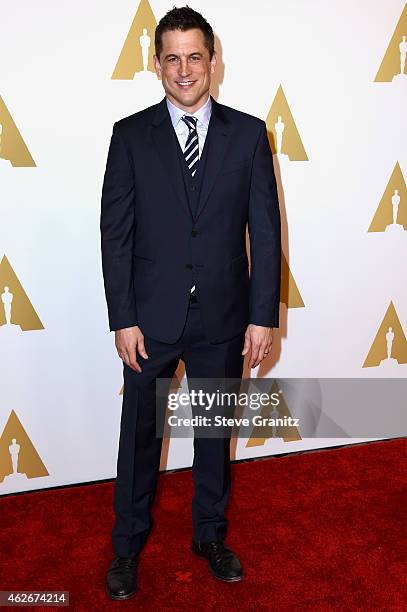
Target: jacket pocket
(236, 166)
(143, 264)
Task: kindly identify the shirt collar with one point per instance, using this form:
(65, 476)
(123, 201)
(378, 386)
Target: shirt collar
(203, 114)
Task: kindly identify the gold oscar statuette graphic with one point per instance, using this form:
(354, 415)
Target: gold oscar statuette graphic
(284, 137)
(138, 49)
(391, 214)
(15, 306)
(289, 292)
(12, 146)
(390, 345)
(19, 459)
(260, 434)
(393, 66)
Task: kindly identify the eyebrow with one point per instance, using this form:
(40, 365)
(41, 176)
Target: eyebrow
(189, 55)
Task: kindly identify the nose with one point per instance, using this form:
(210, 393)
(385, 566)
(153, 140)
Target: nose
(183, 67)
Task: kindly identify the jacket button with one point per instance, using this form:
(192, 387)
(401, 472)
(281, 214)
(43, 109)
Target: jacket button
(193, 188)
(194, 233)
(189, 266)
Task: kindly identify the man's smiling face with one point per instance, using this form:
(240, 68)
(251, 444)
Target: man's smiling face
(185, 68)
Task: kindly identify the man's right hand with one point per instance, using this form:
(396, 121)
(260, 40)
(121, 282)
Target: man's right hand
(129, 341)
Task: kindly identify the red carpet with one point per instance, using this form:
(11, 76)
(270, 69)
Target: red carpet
(322, 531)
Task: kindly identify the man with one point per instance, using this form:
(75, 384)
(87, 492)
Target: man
(183, 179)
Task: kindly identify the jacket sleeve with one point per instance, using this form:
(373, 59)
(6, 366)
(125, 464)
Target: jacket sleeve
(265, 237)
(117, 222)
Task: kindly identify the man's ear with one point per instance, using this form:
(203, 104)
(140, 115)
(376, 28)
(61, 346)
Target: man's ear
(157, 66)
(213, 62)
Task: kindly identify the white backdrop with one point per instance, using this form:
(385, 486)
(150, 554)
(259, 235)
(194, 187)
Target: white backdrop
(60, 385)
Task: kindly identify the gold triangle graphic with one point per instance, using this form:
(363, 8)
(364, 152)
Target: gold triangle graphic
(27, 459)
(131, 58)
(260, 434)
(392, 209)
(390, 338)
(289, 292)
(12, 145)
(291, 141)
(391, 63)
(12, 292)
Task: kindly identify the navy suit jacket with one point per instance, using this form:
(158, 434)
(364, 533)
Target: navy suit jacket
(152, 245)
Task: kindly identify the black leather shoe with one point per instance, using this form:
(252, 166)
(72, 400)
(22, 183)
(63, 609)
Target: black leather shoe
(121, 582)
(222, 561)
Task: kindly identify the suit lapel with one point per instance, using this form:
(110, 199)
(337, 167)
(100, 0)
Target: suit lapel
(165, 142)
(216, 140)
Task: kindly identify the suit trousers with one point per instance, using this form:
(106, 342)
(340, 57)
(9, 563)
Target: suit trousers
(140, 449)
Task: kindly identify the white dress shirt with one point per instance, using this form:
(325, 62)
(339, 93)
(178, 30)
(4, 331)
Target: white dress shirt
(203, 114)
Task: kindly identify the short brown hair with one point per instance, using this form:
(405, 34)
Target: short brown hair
(184, 18)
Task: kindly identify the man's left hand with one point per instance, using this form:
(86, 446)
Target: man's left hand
(258, 340)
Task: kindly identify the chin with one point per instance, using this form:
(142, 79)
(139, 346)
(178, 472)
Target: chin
(186, 100)
(190, 101)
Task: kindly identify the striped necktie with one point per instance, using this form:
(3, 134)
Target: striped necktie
(191, 151)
